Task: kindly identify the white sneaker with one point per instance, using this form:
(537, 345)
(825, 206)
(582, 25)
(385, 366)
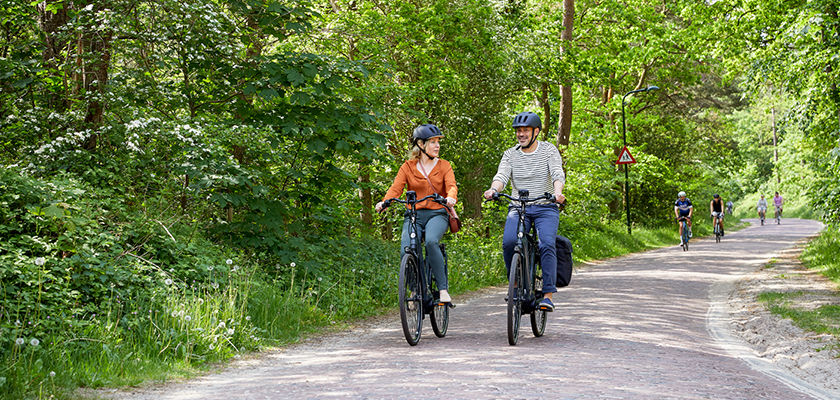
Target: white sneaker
(444, 297)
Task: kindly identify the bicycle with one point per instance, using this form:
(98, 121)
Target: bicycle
(684, 232)
(778, 216)
(524, 280)
(718, 232)
(417, 294)
(761, 216)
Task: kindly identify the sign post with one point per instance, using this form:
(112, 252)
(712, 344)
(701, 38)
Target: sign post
(625, 157)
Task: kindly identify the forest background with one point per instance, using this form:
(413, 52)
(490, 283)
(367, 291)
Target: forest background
(181, 181)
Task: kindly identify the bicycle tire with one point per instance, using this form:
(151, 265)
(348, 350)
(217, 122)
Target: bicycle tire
(685, 237)
(538, 317)
(717, 233)
(515, 295)
(411, 299)
(440, 319)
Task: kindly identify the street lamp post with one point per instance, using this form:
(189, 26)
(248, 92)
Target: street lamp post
(627, 166)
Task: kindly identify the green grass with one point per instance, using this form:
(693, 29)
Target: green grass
(824, 319)
(822, 254)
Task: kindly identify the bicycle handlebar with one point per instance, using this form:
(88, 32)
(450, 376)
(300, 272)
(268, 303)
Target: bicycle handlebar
(434, 197)
(545, 196)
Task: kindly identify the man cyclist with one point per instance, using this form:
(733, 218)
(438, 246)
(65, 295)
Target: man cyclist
(716, 208)
(777, 203)
(535, 166)
(762, 207)
(729, 206)
(683, 208)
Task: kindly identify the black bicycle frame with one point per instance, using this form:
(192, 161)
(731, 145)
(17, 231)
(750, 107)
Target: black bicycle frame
(526, 242)
(413, 247)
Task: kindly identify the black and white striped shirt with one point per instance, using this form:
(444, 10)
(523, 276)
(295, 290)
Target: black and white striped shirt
(535, 172)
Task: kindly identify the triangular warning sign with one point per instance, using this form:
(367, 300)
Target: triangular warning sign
(625, 157)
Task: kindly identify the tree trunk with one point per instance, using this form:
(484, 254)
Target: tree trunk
(546, 110)
(50, 23)
(564, 125)
(366, 197)
(95, 75)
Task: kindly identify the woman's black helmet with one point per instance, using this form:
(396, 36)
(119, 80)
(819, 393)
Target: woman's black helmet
(527, 118)
(426, 132)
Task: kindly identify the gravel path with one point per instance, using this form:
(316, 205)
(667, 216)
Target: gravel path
(650, 325)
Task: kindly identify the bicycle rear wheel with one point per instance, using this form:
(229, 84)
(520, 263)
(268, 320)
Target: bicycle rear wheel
(515, 296)
(538, 317)
(411, 299)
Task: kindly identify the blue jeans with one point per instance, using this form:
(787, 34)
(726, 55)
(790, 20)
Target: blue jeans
(434, 223)
(546, 218)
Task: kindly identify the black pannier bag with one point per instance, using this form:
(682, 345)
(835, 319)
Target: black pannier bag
(563, 247)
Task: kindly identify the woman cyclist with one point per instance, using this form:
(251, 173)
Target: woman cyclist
(426, 173)
(716, 208)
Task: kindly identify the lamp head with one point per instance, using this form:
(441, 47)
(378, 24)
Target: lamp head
(649, 88)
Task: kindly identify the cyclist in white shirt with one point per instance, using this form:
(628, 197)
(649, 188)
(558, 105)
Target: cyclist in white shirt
(762, 207)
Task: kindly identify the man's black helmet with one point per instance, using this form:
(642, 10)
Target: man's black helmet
(717, 196)
(426, 132)
(527, 118)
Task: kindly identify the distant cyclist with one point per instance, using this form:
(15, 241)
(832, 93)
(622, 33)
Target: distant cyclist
(716, 208)
(729, 206)
(762, 207)
(683, 208)
(777, 203)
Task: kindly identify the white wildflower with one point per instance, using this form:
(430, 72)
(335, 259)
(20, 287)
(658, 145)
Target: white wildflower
(34, 342)
(229, 261)
(40, 261)
(293, 265)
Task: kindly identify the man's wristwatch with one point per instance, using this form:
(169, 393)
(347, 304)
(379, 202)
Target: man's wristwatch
(494, 189)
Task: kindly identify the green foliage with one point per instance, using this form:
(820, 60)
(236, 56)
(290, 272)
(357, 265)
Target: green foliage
(823, 253)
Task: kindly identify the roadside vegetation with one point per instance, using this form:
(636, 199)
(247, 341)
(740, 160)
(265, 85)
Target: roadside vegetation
(185, 181)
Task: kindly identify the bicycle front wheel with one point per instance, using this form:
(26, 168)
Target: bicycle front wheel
(411, 299)
(516, 293)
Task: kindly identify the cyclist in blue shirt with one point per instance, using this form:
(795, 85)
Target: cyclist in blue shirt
(683, 208)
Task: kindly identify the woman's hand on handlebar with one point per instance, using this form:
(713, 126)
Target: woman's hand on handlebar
(450, 202)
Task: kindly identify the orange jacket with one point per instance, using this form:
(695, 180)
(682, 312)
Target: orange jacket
(409, 176)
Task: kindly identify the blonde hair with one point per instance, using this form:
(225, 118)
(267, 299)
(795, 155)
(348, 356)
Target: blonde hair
(415, 153)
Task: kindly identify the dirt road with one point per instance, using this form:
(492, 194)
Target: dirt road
(638, 327)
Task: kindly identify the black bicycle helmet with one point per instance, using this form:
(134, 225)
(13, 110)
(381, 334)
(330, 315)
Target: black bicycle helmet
(425, 132)
(528, 119)
(717, 196)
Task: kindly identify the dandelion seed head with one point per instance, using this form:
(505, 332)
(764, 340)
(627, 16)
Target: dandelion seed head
(187, 318)
(34, 342)
(248, 318)
(168, 282)
(40, 261)
(209, 267)
(293, 265)
(52, 374)
(230, 331)
(221, 325)
(20, 341)
(229, 261)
